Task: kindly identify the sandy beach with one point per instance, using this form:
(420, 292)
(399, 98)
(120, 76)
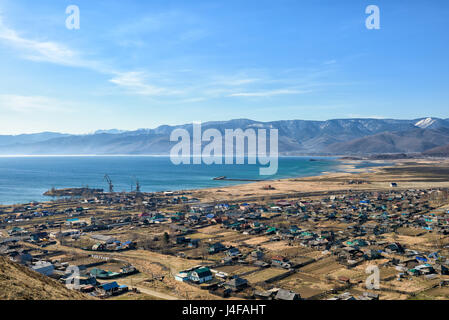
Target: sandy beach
(410, 173)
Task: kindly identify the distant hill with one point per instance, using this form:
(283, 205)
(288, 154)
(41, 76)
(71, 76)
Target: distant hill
(29, 138)
(110, 131)
(410, 141)
(18, 282)
(296, 137)
(438, 151)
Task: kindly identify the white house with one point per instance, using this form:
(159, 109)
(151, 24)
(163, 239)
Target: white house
(201, 275)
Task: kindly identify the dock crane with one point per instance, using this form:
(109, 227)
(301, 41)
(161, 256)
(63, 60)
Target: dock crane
(137, 185)
(109, 181)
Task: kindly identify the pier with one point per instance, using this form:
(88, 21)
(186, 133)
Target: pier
(223, 178)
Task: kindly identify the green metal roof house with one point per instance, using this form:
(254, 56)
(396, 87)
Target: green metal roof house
(201, 275)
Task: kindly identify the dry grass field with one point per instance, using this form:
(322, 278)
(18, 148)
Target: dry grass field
(264, 275)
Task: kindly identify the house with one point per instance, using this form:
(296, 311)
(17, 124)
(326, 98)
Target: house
(194, 243)
(236, 284)
(227, 260)
(287, 295)
(233, 252)
(280, 262)
(371, 254)
(394, 248)
(182, 277)
(16, 231)
(216, 247)
(344, 296)
(261, 264)
(441, 269)
(38, 236)
(20, 257)
(224, 292)
(257, 254)
(103, 274)
(65, 233)
(201, 275)
(44, 267)
(86, 282)
(265, 295)
(181, 240)
(202, 208)
(369, 296)
(425, 269)
(111, 288)
(103, 238)
(343, 279)
(433, 256)
(144, 215)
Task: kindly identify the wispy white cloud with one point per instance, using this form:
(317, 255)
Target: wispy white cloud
(135, 82)
(190, 86)
(165, 28)
(57, 53)
(269, 93)
(236, 81)
(37, 50)
(193, 100)
(46, 51)
(25, 104)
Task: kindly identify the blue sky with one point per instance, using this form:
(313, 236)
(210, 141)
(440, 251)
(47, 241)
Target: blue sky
(138, 64)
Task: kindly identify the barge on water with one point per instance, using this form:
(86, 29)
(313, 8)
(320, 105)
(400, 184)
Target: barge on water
(223, 178)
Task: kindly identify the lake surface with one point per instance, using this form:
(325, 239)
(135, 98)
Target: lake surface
(25, 179)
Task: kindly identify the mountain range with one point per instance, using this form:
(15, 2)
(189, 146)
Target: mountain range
(296, 137)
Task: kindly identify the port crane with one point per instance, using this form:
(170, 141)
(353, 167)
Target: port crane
(109, 181)
(137, 185)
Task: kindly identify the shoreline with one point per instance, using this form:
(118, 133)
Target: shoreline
(370, 178)
(328, 181)
(231, 181)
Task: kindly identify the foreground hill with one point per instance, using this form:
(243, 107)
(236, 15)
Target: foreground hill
(18, 282)
(339, 136)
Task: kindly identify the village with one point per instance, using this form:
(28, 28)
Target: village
(172, 245)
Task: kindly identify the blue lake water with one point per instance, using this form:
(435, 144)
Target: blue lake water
(25, 179)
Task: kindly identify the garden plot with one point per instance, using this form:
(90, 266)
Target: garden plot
(264, 275)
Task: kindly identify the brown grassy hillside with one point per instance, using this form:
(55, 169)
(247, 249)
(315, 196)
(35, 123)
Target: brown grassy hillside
(21, 283)
(439, 151)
